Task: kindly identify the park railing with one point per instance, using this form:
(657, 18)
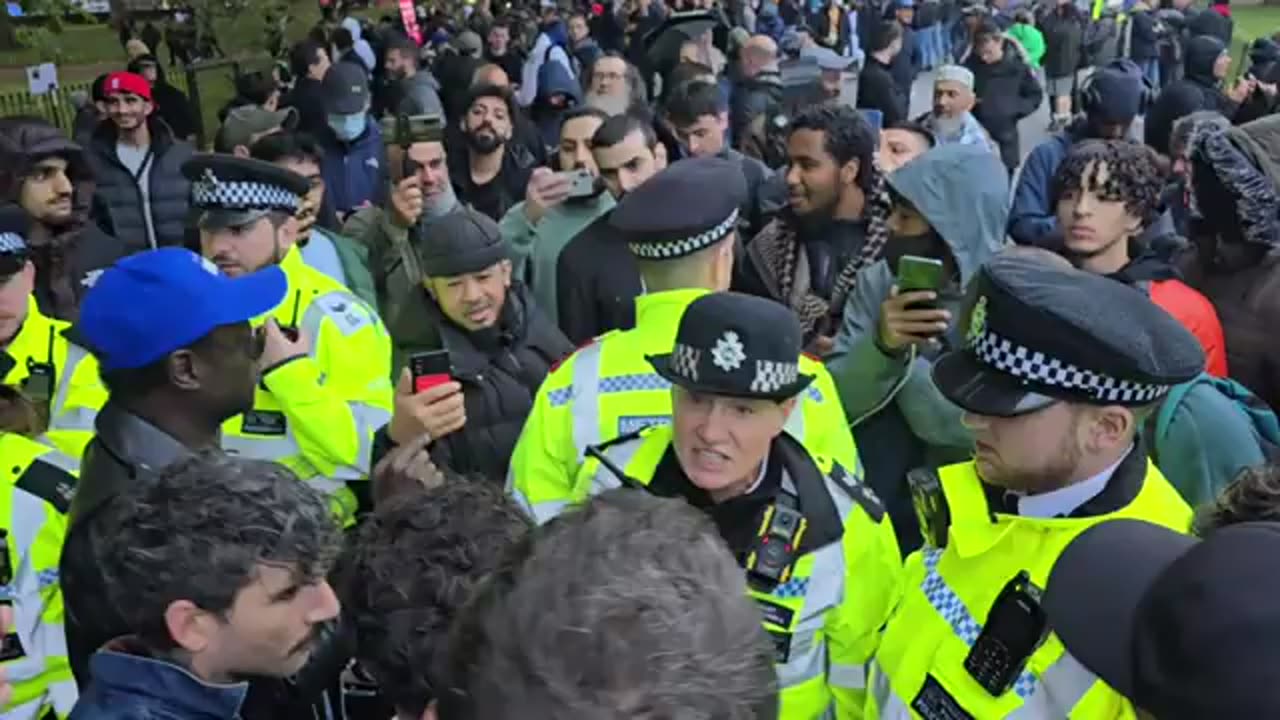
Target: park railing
(208, 85)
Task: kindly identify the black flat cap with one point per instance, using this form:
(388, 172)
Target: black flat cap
(233, 190)
(1039, 333)
(457, 243)
(1187, 629)
(736, 345)
(15, 224)
(689, 206)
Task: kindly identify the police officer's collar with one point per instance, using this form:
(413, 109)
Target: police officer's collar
(1122, 489)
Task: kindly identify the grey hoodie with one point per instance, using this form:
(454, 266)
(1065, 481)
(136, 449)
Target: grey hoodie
(963, 192)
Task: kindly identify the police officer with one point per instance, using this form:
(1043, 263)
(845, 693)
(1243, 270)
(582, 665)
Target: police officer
(1058, 371)
(820, 555)
(680, 225)
(325, 363)
(36, 484)
(58, 376)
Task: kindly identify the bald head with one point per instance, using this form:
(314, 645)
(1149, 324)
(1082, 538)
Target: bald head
(759, 53)
(490, 74)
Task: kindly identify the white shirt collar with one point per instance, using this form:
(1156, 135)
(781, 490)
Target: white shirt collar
(759, 476)
(1064, 501)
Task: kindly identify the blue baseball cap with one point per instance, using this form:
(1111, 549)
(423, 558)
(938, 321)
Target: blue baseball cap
(150, 304)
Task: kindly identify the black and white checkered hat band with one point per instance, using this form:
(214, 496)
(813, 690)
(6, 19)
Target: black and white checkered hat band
(686, 246)
(772, 376)
(1026, 364)
(12, 244)
(242, 195)
(685, 359)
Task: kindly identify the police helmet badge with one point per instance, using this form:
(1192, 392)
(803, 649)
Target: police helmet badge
(977, 320)
(728, 353)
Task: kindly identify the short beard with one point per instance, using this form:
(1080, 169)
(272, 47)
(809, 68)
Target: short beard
(1054, 474)
(485, 144)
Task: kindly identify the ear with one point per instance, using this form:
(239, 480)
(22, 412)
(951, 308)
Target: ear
(184, 369)
(504, 271)
(1111, 427)
(723, 120)
(151, 107)
(660, 156)
(191, 628)
(849, 172)
(786, 406)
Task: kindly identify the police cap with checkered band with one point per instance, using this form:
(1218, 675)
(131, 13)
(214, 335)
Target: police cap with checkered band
(1038, 334)
(234, 191)
(14, 251)
(689, 206)
(736, 345)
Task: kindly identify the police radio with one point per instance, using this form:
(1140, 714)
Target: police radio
(38, 386)
(404, 130)
(1015, 627)
(777, 543)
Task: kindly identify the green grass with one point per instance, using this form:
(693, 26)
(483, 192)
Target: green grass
(1251, 23)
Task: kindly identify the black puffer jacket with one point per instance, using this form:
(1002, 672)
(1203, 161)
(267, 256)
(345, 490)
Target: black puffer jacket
(117, 204)
(67, 258)
(500, 371)
(1063, 29)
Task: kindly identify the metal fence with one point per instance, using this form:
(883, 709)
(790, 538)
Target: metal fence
(208, 85)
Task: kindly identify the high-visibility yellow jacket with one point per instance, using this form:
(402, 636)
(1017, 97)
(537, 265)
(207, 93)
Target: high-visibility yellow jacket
(825, 620)
(37, 489)
(317, 414)
(948, 592)
(607, 389)
(76, 392)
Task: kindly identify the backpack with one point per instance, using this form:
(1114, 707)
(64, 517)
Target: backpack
(1266, 427)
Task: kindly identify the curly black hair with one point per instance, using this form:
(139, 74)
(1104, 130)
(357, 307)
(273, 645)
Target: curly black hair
(846, 136)
(410, 568)
(201, 531)
(1133, 174)
(1252, 496)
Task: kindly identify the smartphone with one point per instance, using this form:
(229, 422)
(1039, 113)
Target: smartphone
(581, 183)
(429, 369)
(919, 273)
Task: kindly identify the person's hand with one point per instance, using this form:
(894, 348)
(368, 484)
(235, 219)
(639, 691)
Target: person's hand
(900, 326)
(406, 201)
(1243, 87)
(306, 216)
(406, 469)
(436, 411)
(546, 190)
(279, 347)
(820, 345)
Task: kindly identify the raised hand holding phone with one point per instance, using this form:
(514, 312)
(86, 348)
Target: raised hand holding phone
(909, 316)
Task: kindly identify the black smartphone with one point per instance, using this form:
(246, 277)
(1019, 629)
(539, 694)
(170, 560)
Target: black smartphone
(429, 369)
(920, 273)
(1015, 627)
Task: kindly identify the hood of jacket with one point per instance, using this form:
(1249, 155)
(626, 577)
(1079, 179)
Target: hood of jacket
(352, 25)
(1243, 164)
(963, 192)
(23, 142)
(1202, 52)
(554, 77)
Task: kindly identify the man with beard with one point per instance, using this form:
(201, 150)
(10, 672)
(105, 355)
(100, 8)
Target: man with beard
(415, 91)
(324, 366)
(835, 224)
(597, 281)
(49, 177)
(422, 196)
(195, 629)
(552, 213)
(952, 120)
(1054, 384)
(490, 172)
(614, 83)
(499, 343)
(140, 192)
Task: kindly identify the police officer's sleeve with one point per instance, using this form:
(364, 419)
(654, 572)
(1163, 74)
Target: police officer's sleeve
(337, 397)
(544, 462)
(873, 579)
(829, 434)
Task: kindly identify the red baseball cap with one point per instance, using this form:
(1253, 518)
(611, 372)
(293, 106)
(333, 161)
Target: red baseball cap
(126, 82)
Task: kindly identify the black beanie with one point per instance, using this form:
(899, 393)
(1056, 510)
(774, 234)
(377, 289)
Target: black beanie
(463, 241)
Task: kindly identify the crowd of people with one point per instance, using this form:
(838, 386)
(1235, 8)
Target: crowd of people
(635, 361)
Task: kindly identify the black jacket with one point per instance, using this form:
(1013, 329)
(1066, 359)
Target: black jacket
(751, 98)
(1063, 29)
(1142, 36)
(307, 98)
(877, 90)
(500, 371)
(1197, 90)
(906, 64)
(1007, 91)
(597, 283)
(117, 207)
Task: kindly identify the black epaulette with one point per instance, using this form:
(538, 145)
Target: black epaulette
(49, 483)
(633, 435)
(857, 491)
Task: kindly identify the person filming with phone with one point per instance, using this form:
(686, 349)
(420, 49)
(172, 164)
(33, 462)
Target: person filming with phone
(470, 385)
(950, 206)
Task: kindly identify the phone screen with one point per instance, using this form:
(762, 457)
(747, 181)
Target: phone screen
(919, 273)
(429, 369)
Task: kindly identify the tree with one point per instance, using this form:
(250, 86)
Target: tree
(44, 37)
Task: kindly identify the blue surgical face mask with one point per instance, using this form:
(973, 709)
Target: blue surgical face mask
(348, 127)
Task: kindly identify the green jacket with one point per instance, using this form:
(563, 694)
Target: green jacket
(1031, 40)
(354, 258)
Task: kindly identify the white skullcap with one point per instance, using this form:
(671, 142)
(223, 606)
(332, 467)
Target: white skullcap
(955, 73)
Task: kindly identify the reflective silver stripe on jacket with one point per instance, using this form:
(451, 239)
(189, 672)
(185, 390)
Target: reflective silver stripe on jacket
(80, 418)
(32, 710)
(891, 706)
(39, 639)
(585, 399)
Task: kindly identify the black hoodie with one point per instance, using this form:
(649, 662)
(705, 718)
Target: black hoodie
(1197, 90)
